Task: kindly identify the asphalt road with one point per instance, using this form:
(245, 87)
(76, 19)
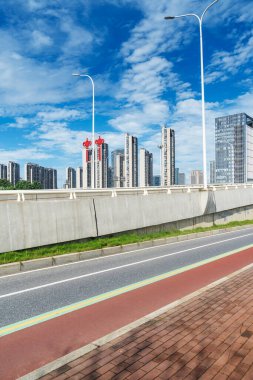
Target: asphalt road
(30, 294)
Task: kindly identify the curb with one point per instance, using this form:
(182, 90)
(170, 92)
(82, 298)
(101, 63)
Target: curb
(46, 369)
(25, 266)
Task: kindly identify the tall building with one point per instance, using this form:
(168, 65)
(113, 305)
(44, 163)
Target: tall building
(47, 177)
(3, 171)
(131, 161)
(118, 162)
(197, 177)
(70, 178)
(13, 172)
(212, 172)
(234, 148)
(168, 157)
(157, 180)
(181, 179)
(101, 164)
(79, 177)
(87, 162)
(176, 176)
(110, 177)
(146, 168)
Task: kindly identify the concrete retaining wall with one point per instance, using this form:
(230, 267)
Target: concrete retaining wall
(44, 218)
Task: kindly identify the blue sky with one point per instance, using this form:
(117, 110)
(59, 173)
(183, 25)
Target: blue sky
(146, 73)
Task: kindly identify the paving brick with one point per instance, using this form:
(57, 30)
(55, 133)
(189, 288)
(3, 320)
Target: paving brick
(207, 337)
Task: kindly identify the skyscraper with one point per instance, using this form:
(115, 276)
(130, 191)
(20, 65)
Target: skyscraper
(197, 177)
(79, 177)
(157, 180)
(13, 172)
(3, 171)
(146, 168)
(181, 179)
(234, 148)
(70, 178)
(87, 163)
(101, 164)
(212, 172)
(176, 176)
(118, 162)
(131, 161)
(110, 177)
(168, 157)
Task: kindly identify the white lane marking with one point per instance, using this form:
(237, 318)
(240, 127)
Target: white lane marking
(122, 253)
(117, 268)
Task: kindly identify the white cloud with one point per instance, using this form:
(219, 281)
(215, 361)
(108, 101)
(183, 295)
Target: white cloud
(225, 63)
(40, 40)
(59, 114)
(27, 154)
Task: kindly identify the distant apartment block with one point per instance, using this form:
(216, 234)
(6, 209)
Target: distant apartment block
(3, 171)
(131, 161)
(167, 157)
(13, 172)
(157, 180)
(70, 178)
(181, 179)
(234, 148)
(197, 177)
(118, 167)
(176, 176)
(47, 177)
(212, 172)
(110, 177)
(146, 168)
(79, 177)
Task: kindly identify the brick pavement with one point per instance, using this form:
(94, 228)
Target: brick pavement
(207, 337)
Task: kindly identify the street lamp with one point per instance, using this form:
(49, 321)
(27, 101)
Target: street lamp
(93, 127)
(200, 19)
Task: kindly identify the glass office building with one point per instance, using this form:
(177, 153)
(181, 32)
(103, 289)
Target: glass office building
(234, 148)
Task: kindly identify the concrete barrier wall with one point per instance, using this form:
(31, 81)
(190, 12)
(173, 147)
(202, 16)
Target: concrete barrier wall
(44, 218)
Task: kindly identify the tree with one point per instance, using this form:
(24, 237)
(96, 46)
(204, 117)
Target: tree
(25, 185)
(5, 185)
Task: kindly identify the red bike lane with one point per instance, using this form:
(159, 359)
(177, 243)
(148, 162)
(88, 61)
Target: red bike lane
(26, 350)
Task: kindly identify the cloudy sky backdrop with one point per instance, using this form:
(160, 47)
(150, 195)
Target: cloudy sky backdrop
(146, 72)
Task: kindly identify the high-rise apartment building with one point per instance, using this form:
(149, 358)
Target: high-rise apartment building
(157, 180)
(101, 164)
(146, 168)
(110, 177)
(131, 161)
(13, 172)
(47, 177)
(87, 162)
(212, 172)
(197, 177)
(79, 177)
(70, 178)
(181, 179)
(118, 163)
(234, 148)
(168, 157)
(3, 171)
(176, 176)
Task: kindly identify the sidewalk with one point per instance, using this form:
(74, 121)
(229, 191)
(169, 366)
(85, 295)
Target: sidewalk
(207, 337)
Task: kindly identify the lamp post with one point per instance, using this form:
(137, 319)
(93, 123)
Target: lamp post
(93, 127)
(200, 20)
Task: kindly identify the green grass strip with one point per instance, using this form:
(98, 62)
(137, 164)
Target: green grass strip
(103, 242)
